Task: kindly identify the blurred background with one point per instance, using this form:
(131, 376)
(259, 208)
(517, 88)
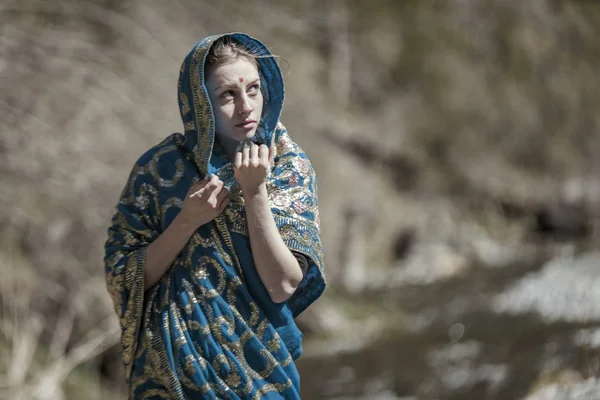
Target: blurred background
(456, 145)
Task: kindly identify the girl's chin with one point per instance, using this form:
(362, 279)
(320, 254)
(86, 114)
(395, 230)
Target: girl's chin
(244, 136)
(238, 136)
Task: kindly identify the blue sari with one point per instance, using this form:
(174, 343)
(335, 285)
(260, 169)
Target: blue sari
(208, 329)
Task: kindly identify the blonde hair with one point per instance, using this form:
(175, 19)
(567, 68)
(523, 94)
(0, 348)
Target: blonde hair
(226, 50)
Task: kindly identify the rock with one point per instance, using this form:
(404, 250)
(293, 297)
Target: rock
(588, 390)
(589, 338)
(491, 253)
(565, 289)
(403, 243)
(321, 318)
(455, 367)
(428, 263)
(562, 222)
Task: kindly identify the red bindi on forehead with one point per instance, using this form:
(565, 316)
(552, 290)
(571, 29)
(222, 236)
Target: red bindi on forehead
(241, 79)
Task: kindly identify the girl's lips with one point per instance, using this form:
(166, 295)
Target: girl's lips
(247, 125)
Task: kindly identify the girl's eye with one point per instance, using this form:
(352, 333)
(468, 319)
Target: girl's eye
(255, 88)
(227, 94)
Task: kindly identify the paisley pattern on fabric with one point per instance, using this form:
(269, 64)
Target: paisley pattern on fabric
(208, 328)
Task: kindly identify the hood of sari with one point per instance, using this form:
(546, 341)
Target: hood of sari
(197, 112)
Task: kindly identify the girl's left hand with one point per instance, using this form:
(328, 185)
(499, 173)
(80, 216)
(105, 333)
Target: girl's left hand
(252, 165)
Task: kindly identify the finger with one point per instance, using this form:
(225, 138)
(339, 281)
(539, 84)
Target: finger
(212, 182)
(246, 157)
(215, 187)
(206, 184)
(212, 199)
(238, 160)
(222, 194)
(223, 204)
(254, 155)
(263, 153)
(199, 189)
(197, 186)
(198, 193)
(272, 151)
(221, 197)
(241, 146)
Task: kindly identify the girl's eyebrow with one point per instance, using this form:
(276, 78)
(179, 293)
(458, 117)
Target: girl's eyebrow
(226, 85)
(230, 85)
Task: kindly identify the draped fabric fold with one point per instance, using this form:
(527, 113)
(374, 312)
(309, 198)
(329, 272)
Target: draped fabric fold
(208, 328)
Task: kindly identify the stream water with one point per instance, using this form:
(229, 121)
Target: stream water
(467, 349)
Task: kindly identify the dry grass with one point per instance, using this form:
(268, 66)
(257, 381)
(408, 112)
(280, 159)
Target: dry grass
(41, 348)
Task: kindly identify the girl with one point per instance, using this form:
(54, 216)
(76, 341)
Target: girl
(215, 248)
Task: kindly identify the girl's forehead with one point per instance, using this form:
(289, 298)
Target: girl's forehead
(239, 70)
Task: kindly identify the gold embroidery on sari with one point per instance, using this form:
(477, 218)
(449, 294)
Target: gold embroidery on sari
(185, 104)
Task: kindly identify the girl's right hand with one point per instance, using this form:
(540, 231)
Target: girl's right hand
(204, 202)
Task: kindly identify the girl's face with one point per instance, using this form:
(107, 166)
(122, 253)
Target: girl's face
(234, 91)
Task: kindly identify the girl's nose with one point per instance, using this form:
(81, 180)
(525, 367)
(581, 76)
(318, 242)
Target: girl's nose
(245, 107)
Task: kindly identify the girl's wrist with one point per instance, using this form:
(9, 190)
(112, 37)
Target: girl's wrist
(184, 225)
(257, 191)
